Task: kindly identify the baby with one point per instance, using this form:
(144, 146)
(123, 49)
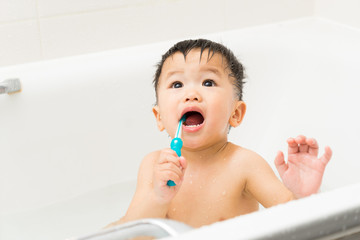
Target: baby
(215, 179)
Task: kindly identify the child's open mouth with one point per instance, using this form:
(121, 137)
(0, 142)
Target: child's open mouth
(194, 121)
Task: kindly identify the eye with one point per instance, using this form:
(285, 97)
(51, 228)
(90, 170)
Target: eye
(209, 83)
(176, 85)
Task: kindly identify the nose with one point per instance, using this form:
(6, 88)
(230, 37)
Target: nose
(192, 95)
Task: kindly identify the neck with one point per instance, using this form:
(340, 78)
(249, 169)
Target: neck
(206, 154)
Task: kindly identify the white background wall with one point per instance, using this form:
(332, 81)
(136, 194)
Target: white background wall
(346, 12)
(32, 30)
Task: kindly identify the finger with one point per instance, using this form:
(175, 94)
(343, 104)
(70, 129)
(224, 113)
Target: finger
(169, 175)
(163, 154)
(174, 159)
(301, 140)
(280, 164)
(303, 148)
(325, 158)
(183, 163)
(292, 146)
(171, 167)
(168, 151)
(169, 158)
(313, 146)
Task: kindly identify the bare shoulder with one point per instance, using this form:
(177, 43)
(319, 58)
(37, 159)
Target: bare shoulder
(242, 165)
(146, 168)
(149, 159)
(245, 156)
(248, 162)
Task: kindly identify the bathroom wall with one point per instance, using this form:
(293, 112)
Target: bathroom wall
(33, 30)
(342, 11)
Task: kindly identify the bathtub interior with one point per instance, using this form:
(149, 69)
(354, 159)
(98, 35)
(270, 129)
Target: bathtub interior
(72, 140)
(73, 217)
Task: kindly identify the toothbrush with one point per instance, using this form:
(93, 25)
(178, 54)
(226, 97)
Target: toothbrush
(176, 145)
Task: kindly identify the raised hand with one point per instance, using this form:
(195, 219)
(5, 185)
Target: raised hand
(303, 172)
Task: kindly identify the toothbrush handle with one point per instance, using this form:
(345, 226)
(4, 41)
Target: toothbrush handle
(176, 145)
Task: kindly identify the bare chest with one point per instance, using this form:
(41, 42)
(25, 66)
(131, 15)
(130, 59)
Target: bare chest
(204, 202)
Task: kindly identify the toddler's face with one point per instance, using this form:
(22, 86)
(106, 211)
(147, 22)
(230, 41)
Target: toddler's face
(202, 90)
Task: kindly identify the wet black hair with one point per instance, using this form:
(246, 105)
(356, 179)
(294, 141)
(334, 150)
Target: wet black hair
(235, 67)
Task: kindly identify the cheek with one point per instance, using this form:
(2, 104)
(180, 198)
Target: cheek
(221, 112)
(168, 116)
(164, 103)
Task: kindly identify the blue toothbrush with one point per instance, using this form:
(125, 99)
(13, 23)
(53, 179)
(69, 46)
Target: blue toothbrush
(176, 145)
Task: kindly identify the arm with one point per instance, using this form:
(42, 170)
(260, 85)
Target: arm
(301, 175)
(152, 196)
(263, 184)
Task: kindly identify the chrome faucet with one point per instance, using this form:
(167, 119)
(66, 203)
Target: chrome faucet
(10, 86)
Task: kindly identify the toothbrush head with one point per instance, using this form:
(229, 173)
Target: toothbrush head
(183, 118)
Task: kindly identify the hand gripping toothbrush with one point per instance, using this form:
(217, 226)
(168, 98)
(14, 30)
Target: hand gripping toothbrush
(176, 145)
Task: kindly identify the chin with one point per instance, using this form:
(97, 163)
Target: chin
(193, 145)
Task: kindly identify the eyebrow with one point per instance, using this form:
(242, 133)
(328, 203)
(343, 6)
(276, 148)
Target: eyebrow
(213, 70)
(206, 69)
(169, 74)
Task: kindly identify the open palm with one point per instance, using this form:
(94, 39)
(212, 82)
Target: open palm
(303, 172)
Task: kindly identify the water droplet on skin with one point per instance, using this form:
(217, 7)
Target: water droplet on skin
(224, 193)
(174, 209)
(190, 182)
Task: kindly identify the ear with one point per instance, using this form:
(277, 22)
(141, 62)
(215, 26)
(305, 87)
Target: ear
(238, 114)
(156, 112)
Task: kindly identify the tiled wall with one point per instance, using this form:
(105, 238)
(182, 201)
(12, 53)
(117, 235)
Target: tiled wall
(32, 30)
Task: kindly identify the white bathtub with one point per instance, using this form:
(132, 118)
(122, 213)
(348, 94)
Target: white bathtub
(72, 140)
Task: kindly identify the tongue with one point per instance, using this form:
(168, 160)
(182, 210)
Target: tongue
(194, 119)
